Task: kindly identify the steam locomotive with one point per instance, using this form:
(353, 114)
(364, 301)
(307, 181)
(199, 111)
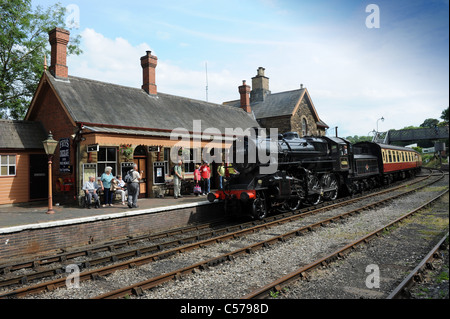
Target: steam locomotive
(308, 170)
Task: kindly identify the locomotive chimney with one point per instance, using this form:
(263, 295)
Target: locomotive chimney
(244, 91)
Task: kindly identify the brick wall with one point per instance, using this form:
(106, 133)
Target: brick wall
(46, 240)
(51, 114)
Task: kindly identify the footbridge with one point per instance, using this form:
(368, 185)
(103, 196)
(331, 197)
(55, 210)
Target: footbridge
(411, 135)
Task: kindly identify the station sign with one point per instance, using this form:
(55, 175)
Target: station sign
(92, 148)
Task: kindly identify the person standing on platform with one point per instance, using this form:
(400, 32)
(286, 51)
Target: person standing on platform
(197, 179)
(177, 177)
(105, 183)
(205, 171)
(221, 172)
(133, 187)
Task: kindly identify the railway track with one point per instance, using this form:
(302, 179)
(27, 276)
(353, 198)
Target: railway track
(135, 262)
(93, 256)
(416, 275)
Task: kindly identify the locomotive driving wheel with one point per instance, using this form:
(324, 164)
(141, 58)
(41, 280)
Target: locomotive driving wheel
(259, 206)
(314, 186)
(330, 183)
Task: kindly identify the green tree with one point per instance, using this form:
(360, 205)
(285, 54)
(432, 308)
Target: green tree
(23, 45)
(444, 116)
(355, 139)
(429, 123)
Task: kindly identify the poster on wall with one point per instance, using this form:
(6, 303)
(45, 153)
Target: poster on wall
(89, 170)
(64, 156)
(158, 173)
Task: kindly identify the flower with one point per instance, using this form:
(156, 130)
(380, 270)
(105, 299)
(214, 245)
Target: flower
(126, 150)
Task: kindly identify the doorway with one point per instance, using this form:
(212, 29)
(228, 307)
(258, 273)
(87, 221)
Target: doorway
(38, 176)
(140, 158)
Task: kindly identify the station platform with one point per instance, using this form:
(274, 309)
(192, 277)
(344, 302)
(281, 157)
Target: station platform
(27, 229)
(30, 215)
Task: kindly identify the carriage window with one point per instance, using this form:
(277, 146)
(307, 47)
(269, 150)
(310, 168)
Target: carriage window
(390, 156)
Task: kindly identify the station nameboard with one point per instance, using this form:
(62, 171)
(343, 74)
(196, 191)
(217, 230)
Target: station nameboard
(92, 148)
(153, 148)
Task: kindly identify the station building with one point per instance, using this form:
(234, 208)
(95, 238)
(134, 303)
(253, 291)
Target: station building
(288, 111)
(99, 124)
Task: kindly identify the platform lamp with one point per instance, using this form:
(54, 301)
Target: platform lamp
(50, 147)
(382, 120)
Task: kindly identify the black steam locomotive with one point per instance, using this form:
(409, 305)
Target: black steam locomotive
(307, 171)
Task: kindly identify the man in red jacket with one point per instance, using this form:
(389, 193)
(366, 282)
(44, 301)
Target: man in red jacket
(205, 172)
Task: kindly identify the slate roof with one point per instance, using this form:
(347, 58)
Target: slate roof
(276, 104)
(21, 135)
(90, 101)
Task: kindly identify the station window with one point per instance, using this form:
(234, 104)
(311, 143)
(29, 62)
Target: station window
(304, 127)
(7, 165)
(107, 156)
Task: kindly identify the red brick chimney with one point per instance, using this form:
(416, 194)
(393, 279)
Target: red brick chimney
(58, 39)
(244, 90)
(148, 63)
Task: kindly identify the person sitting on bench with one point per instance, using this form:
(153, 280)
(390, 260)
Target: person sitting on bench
(90, 188)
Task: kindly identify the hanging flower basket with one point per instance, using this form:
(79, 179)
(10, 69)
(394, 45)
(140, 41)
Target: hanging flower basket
(126, 150)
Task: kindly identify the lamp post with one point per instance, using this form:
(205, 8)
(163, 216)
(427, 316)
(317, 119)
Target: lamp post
(382, 120)
(50, 147)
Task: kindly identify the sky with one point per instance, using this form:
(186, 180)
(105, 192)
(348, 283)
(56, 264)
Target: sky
(360, 60)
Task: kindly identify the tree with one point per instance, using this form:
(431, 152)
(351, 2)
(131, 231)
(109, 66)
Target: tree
(23, 45)
(430, 123)
(444, 116)
(355, 139)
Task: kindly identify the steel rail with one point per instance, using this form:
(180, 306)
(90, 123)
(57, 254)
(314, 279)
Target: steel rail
(402, 290)
(301, 273)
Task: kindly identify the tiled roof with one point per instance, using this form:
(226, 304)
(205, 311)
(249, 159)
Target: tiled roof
(21, 135)
(95, 102)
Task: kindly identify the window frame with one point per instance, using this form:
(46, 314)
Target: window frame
(107, 162)
(8, 165)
